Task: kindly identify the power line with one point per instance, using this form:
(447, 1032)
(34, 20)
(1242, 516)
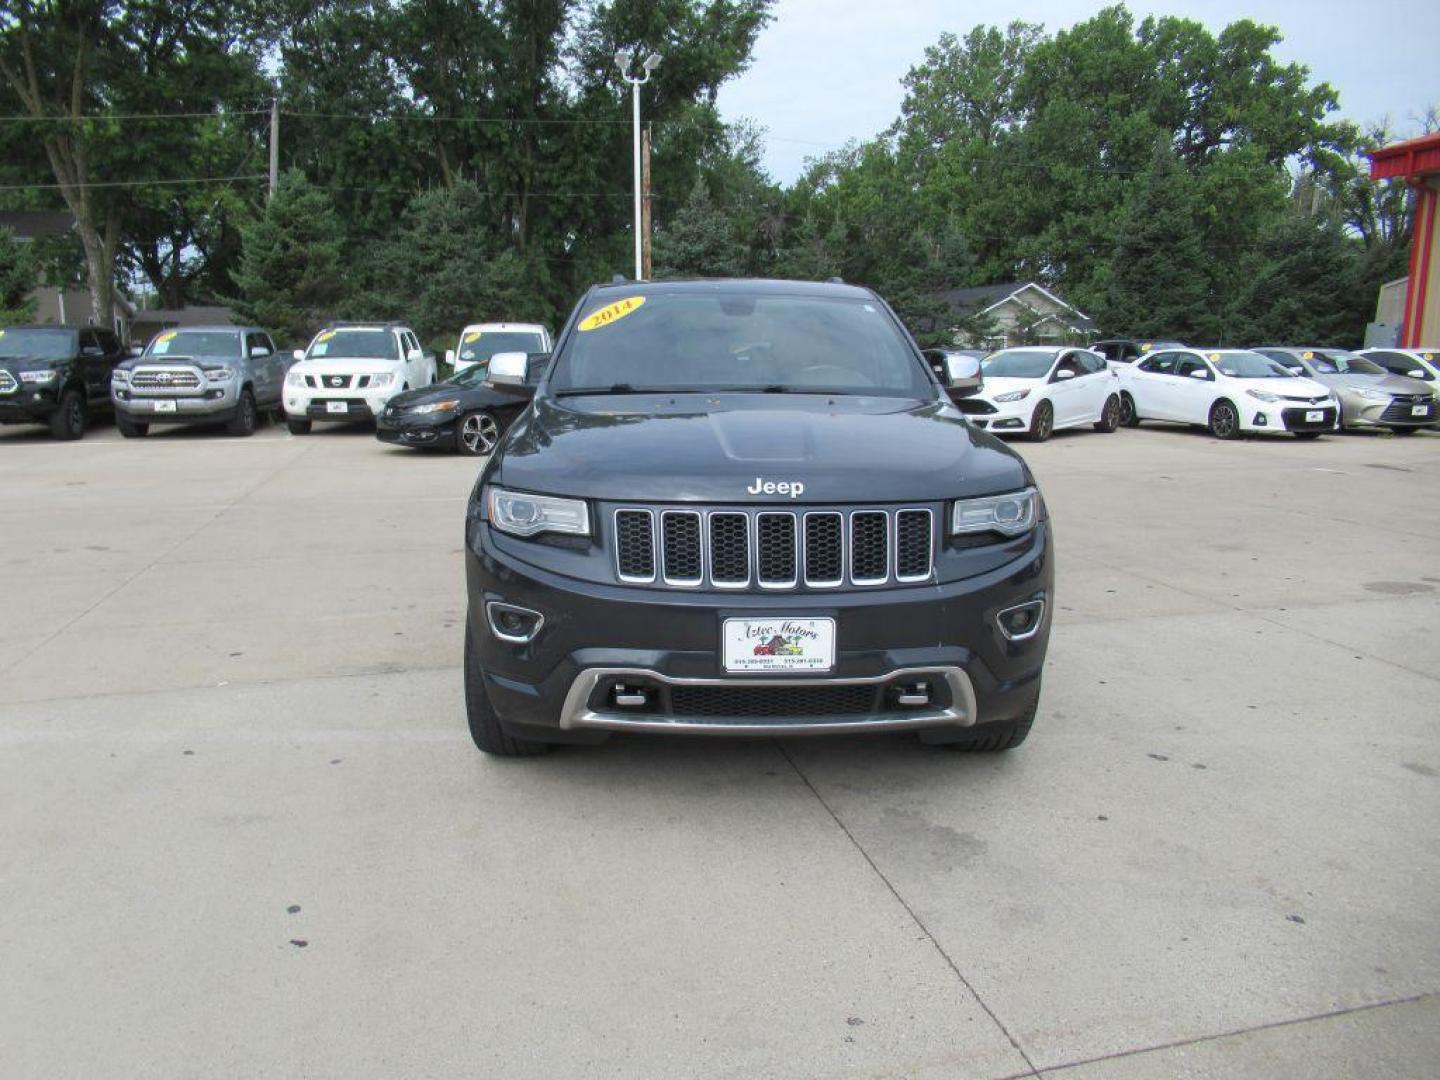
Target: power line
(87, 117)
(135, 183)
(428, 118)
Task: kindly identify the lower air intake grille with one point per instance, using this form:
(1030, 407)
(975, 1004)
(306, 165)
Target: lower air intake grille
(773, 701)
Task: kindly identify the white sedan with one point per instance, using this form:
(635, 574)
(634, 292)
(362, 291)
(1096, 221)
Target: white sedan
(1229, 391)
(1040, 390)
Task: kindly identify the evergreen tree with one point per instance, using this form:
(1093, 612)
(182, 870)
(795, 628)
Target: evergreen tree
(1159, 284)
(699, 240)
(289, 267)
(17, 278)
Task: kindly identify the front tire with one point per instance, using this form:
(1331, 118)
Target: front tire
(1042, 422)
(1224, 421)
(485, 726)
(477, 434)
(131, 429)
(298, 427)
(1129, 416)
(243, 424)
(999, 737)
(67, 422)
(1109, 415)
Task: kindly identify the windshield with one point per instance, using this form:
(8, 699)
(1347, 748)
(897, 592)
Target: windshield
(1341, 363)
(37, 344)
(354, 344)
(478, 346)
(470, 376)
(212, 343)
(1249, 365)
(1018, 364)
(712, 341)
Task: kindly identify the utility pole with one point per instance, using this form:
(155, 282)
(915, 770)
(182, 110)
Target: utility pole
(646, 267)
(274, 145)
(624, 60)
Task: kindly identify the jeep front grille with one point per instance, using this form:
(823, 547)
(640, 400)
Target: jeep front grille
(774, 549)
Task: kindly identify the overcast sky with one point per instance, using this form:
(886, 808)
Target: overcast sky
(829, 70)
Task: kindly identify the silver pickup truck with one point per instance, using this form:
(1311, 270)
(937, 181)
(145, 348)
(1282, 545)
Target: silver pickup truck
(200, 375)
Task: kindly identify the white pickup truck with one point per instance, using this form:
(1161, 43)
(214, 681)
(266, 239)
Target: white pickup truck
(351, 370)
(480, 341)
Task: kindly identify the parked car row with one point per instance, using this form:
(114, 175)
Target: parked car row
(1035, 391)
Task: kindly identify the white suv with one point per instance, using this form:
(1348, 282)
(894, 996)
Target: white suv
(480, 341)
(351, 370)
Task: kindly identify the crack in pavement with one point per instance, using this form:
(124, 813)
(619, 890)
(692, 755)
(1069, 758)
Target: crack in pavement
(1047, 1070)
(910, 911)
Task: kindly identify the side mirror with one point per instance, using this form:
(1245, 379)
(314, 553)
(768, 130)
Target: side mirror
(962, 375)
(258, 351)
(299, 354)
(133, 351)
(507, 374)
(1297, 371)
(414, 354)
(1063, 374)
(450, 357)
(1199, 373)
(1416, 374)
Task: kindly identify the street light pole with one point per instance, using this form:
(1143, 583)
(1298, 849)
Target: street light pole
(624, 59)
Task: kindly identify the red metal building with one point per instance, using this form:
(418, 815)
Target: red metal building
(1417, 161)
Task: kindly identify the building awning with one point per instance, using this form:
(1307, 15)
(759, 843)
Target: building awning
(1414, 157)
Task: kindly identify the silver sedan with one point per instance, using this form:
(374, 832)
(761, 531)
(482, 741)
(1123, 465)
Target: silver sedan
(1369, 396)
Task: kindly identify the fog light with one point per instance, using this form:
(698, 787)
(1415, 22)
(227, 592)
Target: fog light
(516, 625)
(1259, 420)
(914, 694)
(630, 697)
(1022, 621)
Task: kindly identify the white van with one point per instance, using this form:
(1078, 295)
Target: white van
(480, 341)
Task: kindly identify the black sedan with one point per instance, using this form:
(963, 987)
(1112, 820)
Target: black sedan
(460, 414)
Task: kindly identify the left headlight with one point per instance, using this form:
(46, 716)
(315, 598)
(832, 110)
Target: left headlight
(222, 374)
(522, 514)
(1373, 394)
(1263, 395)
(119, 376)
(1009, 515)
(436, 406)
(1013, 395)
(38, 378)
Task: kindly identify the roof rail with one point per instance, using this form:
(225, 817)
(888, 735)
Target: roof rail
(618, 279)
(388, 324)
(836, 280)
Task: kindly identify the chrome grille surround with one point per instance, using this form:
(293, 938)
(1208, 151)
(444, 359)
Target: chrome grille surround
(773, 549)
(165, 380)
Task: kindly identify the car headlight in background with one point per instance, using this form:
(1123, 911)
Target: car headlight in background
(522, 514)
(1263, 395)
(1009, 515)
(436, 406)
(383, 378)
(38, 378)
(1013, 395)
(223, 374)
(295, 378)
(119, 377)
(1373, 395)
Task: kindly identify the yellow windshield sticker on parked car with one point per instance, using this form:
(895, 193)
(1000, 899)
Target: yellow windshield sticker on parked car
(1145, 347)
(326, 336)
(611, 313)
(1214, 357)
(169, 335)
(472, 337)
(1307, 356)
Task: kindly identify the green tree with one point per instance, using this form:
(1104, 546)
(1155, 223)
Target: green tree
(698, 240)
(18, 278)
(289, 268)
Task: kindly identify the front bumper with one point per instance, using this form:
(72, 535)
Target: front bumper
(1367, 413)
(215, 403)
(300, 404)
(593, 637)
(28, 405)
(427, 429)
(1285, 417)
(1012, 417)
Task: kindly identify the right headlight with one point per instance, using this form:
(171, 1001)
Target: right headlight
(523, 514)
(1263, 395)
(1013, 395)
(295, 378)
(1009, 515)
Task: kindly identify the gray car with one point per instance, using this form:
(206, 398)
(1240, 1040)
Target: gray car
(200, 375)
(1369, 396)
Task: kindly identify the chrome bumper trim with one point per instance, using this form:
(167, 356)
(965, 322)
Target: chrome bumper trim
(576, 713)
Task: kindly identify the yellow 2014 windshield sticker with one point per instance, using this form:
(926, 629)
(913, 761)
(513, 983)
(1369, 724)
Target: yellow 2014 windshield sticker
(326, 336)
(611, 313)
(472, 337)
(169, 335)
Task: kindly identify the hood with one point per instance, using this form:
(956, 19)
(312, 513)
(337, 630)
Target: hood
(995, 387)
(207, 363)
(339, 365)
(1391, 384)
(14, 364)
(468, 396)
(1299, 386)
(711, 448)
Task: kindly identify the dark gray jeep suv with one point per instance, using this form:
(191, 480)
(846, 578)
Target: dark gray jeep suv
(749, 508)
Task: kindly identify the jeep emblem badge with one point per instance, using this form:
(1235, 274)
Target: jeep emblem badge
(793, 488)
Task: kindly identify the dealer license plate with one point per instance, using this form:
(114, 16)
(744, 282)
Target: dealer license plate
(1419, 410)
(779, 644)
(1315, 416)
(337, 406)
(164, 406)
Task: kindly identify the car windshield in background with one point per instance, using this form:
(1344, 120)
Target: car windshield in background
(1248, 365)
(470, 376)
(355, 345)
(1339, 363)
(1018, 364)
(37, 344)
(211, 343)
(487, 343)
(690, 341)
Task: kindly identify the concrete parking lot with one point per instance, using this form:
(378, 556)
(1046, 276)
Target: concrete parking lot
(243, 831)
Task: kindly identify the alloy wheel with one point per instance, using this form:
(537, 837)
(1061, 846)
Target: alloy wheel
(479, 433)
